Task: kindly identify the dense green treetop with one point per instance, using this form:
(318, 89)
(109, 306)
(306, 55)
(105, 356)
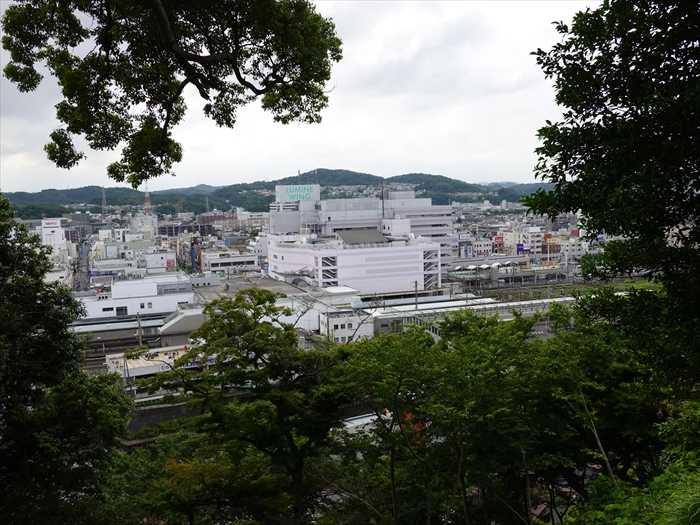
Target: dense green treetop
(265, 415)
(626, 152)
(486, 425)
(56, 424)
(123, 66)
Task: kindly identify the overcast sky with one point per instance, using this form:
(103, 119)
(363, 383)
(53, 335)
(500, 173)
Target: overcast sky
(445, 88)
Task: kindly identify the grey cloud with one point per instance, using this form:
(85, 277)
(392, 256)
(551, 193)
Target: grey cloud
(424, 86)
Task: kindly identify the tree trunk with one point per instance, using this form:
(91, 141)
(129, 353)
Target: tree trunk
(394, 497)
(462, 485)
(298, 493)
(599, 443)
(428, 506)
(528, 500)
(552, 503)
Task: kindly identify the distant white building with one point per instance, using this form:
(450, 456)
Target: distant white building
(533, 240)
(228, 260)
(364, 260)
(572, 250)
(253, 220)
(346, 325)
(157, 294)
(116, 268)
(307, 213)
(474, 248)
(158, 261)
(59, 274)
(53, 235)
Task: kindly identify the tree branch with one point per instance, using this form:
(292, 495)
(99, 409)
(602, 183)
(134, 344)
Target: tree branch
(230, 59)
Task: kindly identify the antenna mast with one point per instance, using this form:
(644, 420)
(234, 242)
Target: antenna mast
(382, 198)
(146, 199)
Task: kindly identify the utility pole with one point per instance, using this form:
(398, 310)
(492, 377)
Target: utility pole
(139, 334)
(382, 190)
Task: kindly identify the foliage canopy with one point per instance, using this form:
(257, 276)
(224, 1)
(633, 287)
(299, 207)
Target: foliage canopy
(57, 425)
(124, 65)
(626, 153)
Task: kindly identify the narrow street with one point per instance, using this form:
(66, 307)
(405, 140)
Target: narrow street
(82, 276)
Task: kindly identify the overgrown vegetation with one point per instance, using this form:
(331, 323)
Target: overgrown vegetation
(596, 424)
(487, 425)
(57, 425)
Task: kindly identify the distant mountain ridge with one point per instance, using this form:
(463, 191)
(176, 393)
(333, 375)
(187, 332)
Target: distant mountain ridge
(203, 189)
(256, 196)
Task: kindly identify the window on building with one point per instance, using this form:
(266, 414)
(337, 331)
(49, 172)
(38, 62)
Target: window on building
(121, 310)
(150, 305)
(349, 325)
(335, 327)
(142, 306)
(110, 309)
(342, 339)
(342, 327)
(337, 339)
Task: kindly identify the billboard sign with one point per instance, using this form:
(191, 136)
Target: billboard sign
(51, 223)
(298, 192)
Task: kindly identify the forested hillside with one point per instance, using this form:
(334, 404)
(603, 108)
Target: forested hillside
(256, 196)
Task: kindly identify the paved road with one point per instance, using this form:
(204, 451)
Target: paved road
(82, 276)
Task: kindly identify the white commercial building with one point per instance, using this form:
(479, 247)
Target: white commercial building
(361, 259)
(59, 274)
(53, 235)
(346, 325)
(299, 209)
(157, 261)
(117, 268)
(228, 260)
(572, 250)
(152, 295)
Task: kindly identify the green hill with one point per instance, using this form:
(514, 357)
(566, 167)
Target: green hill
(256, 196)
(514, 192)
(437, 183)
(86, 195)
(199, 189)
(328, 177)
